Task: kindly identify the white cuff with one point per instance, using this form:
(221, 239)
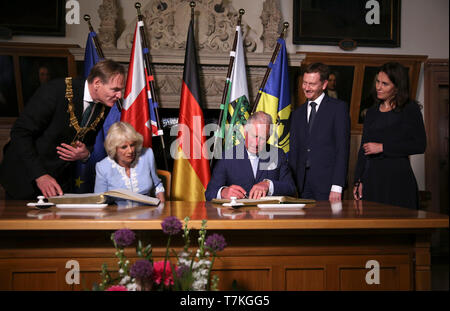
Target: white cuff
(159, 188)
(270, 191)
(336, 188)
(219, 193)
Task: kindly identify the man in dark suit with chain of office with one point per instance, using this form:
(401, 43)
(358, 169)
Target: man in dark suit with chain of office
(319, 139)
(57, 128)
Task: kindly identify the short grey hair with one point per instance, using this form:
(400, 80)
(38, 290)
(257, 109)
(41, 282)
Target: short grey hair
(119, 133)
(260, 117)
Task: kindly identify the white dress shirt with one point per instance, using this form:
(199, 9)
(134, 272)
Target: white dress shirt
(87, 98)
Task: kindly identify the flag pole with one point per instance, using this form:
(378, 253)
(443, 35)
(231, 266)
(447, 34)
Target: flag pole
(269, 67)
(87, 18)
(150, 80)
(98, 47)
(227, 85)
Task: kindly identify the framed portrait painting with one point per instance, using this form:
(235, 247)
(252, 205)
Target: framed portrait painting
(362, 22)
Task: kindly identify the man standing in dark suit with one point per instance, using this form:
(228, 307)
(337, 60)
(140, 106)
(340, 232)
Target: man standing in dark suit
(57, 128)
(252, 171)
(319, 139)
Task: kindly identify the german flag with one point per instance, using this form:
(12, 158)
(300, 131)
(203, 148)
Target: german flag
(191, 172)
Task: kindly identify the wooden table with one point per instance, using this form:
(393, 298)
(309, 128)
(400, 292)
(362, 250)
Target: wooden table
(321, 247)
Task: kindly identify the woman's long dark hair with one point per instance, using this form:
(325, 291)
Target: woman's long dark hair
(398, 75)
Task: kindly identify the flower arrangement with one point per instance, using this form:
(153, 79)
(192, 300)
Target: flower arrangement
(192, 270)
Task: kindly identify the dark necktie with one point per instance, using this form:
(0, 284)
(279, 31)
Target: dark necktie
(86, 114)
(312, 115)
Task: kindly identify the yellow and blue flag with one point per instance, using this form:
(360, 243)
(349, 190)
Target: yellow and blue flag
(276, 100)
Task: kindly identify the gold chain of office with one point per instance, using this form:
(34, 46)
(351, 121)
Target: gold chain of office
(81, 131)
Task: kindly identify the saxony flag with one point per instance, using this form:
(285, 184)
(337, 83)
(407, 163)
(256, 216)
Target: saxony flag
(236, 111)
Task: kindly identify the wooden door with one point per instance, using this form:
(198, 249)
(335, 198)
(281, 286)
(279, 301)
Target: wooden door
(436, 155)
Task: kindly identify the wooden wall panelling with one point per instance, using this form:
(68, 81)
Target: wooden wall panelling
(256, 259)
(436, 76)
(32, 50)
(325, 272)
(360, 62)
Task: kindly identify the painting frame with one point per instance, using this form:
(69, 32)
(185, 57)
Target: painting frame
(35, 20)
(17, 53)
(323, 22)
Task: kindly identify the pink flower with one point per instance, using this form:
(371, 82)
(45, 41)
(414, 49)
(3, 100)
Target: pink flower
(117, 288)
(158, 273)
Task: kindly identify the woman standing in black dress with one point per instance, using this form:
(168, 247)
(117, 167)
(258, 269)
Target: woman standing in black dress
(393, 130)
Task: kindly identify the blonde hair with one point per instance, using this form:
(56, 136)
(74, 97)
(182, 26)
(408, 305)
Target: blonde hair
(119, 133)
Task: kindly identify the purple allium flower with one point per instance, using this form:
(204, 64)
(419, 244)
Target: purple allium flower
(124, 237)
(171, 225)
(142, 269)
(215, 242)
(182, 270)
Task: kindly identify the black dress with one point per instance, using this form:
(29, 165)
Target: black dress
(387, 177)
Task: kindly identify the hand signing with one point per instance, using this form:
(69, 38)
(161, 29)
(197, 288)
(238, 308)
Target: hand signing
(48, 186)
(233, 191)
(372, 148)
(259, 190)
(72, 153)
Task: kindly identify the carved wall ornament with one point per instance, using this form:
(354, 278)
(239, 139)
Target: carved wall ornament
(107, 34)
(271, 20)
(167, 22)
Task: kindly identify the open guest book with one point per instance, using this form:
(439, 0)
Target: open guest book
(99, 198)
(267, 200)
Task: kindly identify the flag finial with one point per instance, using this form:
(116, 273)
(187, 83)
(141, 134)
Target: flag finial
(192, 5)
(87, 18)
(137, 5)
(241, 12)
(285, 27)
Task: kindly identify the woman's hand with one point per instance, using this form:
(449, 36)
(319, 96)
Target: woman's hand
(161, 196)
(357, 191)
(372, 148)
